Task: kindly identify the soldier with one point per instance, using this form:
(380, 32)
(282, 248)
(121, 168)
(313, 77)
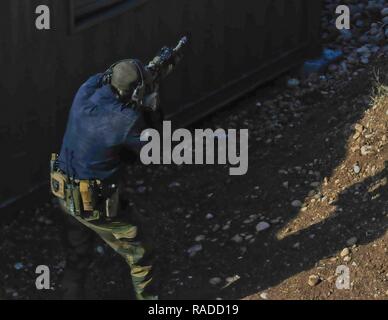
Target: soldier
(108, 114)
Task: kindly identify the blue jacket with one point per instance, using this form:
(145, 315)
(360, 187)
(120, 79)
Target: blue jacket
(99, 129)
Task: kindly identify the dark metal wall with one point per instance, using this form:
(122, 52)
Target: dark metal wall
(234, 47)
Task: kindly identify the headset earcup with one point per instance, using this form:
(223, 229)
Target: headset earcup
(107, 78)
(138, 93)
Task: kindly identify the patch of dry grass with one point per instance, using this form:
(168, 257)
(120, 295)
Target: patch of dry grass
(380, 87)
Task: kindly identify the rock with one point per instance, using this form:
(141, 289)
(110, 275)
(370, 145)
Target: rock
(384, 12)
(209, 216)
(352, 241)
(365, 150)
(276, 220)
(374, 30)
(248, 237)
(237, 238)
(261, 226)
(141, 189)
(364, 60)
(374, 7)
(355, 137)
(314, 280)
(18, 265)
(174, 184)
(100, 249)
(345, 252)
(347, 258)
(200, 238)
(363, 51)
(192, 251)
(356, 169)
(346, 34)
(215, 281)
(231, 280)
(264, 295)
(359, 127)
(296, 203)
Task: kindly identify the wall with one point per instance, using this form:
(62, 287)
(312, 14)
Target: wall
(234, 47)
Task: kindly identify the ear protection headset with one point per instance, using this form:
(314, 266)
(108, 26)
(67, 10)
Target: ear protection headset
(139, 92)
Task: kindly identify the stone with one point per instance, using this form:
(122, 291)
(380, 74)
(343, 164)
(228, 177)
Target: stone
(215, 281)
(296, 203)
(314, 280)
(352, 241)
(237, 238)
(18, 265)
(356, 169)
(346, 34)
(209, 216)
(359, 127)
(200, 238)
(100, 249)
(264, 295)
(261, 226)
(174, 184)
(364, 60)
(192, 251)
(365, 150)
(384, 12)
(345, 252)
(364, 50)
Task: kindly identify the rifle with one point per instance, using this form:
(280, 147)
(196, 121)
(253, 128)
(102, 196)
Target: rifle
(159, 68)
(167, 58)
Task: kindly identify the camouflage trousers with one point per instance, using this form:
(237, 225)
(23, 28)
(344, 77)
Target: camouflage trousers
(126, 233)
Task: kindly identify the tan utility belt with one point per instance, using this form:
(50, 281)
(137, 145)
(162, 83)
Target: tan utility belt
(79, 195)
(76, 191)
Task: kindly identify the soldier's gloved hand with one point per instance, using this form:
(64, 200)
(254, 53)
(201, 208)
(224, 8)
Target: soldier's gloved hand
(151, 102)
(166, 54)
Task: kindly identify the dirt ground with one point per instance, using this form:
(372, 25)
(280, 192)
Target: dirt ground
(316, 184)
